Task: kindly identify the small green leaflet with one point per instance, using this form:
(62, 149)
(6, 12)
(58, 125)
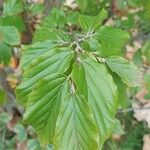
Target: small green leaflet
(82, 4)
(10, 24)
(146, 52)
(16, 21)
(118, 128)
(147, 83)
(36, 9)
(5, 53)
(12, 7)
(91, 23)
(5, 118)
(21, 132)
(2, 96)
(56, 19)
(50, 27)
(89, 6)
(9, 35)
(33, 144)
(128, 72)
(112, 40)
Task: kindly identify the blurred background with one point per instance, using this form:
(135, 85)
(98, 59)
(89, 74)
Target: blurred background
(132, 131)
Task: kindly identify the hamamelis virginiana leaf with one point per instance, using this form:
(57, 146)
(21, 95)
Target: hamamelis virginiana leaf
(128, 72)
(70, 97)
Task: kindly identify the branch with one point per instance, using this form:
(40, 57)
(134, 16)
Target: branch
(76, 42)
(88, 35)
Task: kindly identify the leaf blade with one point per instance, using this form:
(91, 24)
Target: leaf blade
(43, 106)
(79, 130)
(53, 61)
(112, 40)
(128, 72)
(9, 35)
(102, 96)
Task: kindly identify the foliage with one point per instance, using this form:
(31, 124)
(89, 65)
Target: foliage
(75, 71)
(58, 84)
(10, 23)
(17, 134)
(134, 139)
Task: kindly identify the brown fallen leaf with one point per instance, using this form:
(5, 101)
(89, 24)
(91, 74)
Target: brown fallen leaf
(71, 4)
(146, 144)
(1, 66)
(110, 22)
(12, 80)
(11, 124)
(36, 1)
(116, 137)
(21, 146)
(142, 113)
(14, 63)
(130, 52)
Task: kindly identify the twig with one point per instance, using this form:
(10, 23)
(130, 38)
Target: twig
(88, 35)
(76, 42)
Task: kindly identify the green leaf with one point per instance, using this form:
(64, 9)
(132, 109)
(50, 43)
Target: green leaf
(53, 61)
(125, 24)
(2, 145)
(102, 96)
(9, 35)
(146, 52)
(21, 132)
(45, 33)
(147, 84)
(36, 9)
(86, 22)
(118, 128)
(112, 40)
(147, 81)
(90, 23)
(5, 118)
(78, 76)
(128, 72)
(91, 44)
(56, 19)
(122, 93)
(33, 144)
(43, 106)
(2, 96)
(78, 130)
(5, 53)
(137, 58)
(89, 6)
(49, 147)
(122, 90)
(16, 21)
(82, 4)
(11, 7)
(31, 52)
(72, 17)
